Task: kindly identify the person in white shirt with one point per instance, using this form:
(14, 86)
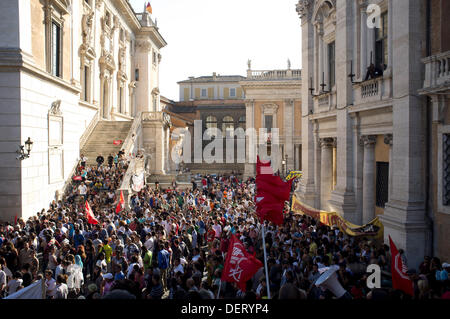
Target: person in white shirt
(14, 284)
(83, 190)
(61, 287)
(149, 243)
(50, 284)
(178, 266)
(217, 229)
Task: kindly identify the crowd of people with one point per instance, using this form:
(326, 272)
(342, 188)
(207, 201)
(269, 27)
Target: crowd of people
(172, 244)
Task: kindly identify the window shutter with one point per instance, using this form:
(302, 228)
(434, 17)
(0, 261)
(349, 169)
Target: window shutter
(226, 93)
(197, 93)
(211, 93)
(186, 94)
(239, 93)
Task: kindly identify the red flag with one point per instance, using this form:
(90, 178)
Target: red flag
(117, 142)
(240, 266)
(400, 279)
(120, 203)
(77, 178)
(149, 8)
(271, 193)
(90, 215)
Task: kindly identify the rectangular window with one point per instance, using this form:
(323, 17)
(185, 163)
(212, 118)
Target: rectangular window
(446, 169)
(56, 50)
(382, 184)
(381, 43)
(331, 64)
(232, 92)
(268, 122)
(204, 93)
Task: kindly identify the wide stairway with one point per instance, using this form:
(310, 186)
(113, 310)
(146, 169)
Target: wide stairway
(216, 168)
(101, 140)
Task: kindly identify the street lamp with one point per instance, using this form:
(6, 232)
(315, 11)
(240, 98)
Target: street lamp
(21, 151)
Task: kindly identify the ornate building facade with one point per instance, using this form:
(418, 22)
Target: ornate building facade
(362, 70)
(65, 67)
(273, 102)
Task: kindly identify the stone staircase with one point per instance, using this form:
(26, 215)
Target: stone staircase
(102, 138)
(216, 168)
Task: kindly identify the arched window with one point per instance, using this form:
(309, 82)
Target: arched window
(228, 126)
(211, 122)
(242, 122)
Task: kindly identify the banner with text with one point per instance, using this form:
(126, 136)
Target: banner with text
(372, 229)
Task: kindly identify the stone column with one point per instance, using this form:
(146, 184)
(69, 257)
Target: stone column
(388, 139)
(307, 186)
(250, 140)
(358, 163)
(343, 197)
(363, 50)
(369, 178)
(297, 155)
(289, 132)
(326, 171)
(404, 217)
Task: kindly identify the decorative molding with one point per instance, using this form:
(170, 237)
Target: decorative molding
(55, 109)
(86, 28)
(327, 142)
(304, 9)
(369, 140)
(269, 108)
(388, 139)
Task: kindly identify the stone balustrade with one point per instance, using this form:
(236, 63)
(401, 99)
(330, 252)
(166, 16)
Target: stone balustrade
(437, 70)
(273, 74)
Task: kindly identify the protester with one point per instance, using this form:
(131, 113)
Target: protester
(174, 243)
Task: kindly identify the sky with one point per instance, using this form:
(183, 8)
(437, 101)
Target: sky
(206, 36)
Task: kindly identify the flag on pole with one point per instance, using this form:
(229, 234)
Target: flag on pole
(149, 8)
(120, 203)
(271, 193)
(400, 280)
(240, 266)
(90, 215)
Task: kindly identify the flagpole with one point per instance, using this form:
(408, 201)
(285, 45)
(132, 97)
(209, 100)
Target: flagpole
(220, 287)
(265, 260)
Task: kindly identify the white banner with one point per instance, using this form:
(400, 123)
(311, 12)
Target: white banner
(138, 182)
(33, 291)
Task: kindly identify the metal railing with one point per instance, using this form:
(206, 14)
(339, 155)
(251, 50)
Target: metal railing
(88, 131)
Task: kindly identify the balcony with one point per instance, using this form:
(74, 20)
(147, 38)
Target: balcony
(437, 71)
(325, 102)
(274, 74)
(373, 90)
